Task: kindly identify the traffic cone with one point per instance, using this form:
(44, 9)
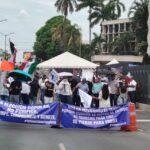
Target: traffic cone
(133, 125)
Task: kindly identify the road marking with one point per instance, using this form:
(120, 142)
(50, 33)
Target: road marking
(143, 120)
(62, 146)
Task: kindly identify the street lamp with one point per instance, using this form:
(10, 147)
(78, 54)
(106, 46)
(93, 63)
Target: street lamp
(5, 35)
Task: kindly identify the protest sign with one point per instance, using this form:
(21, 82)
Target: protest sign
(77, 117)
(86, 99)
(31, 114)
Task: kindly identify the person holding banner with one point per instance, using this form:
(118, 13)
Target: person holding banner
(114, 91)
(97, 87)
(65, 92)
(42, 87)
(49, 92)
(104, 97)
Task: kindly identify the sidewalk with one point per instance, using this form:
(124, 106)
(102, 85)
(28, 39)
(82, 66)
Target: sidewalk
(143, 120)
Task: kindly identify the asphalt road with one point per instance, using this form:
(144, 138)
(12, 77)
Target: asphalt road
(31, 137)
(22, 137)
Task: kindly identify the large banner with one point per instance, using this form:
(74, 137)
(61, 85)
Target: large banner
(32, 114)
(76, 117)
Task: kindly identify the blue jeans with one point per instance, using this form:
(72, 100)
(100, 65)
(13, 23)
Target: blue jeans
(5, 97)
(42, 94)
(66, 99)
(113, 99)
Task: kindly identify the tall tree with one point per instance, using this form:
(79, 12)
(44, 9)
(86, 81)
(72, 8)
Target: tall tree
(101, 12)
(49, 41)
(96, 43)
(64, 6)
(87, 4)
(117, 8)
(139, 14)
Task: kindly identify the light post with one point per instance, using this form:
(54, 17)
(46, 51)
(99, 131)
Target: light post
(5, 36)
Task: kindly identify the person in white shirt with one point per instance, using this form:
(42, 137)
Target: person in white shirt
(42, 87)
(104, 97)
(132, 90)
(25, 93)
(65, 92)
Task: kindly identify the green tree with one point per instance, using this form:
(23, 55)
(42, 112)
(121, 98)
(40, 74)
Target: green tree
(106, 11)
(116, 7)
(100, 13)
(49, 42)
(123, 43)
(139, 15)
(87, 4)
(64, 6)
(96, 43)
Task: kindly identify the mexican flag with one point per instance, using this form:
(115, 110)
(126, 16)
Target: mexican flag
(28, 66)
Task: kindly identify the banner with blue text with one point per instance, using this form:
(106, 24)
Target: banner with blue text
(31, 114)
(77, 117)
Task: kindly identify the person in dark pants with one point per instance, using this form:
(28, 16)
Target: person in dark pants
(132, 90)
(97, 87)
(25, 93)
(34, 85)
(114, 90)
(14, 90)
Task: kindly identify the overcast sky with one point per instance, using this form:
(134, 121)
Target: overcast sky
(25, 17)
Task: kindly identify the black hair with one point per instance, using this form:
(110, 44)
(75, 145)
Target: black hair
(105, 92)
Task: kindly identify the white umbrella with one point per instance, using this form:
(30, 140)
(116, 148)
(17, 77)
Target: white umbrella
(65, 74)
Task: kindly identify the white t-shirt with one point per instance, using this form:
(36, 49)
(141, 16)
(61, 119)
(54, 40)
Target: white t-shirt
(103, 103)
(25, 88)
(132, 83)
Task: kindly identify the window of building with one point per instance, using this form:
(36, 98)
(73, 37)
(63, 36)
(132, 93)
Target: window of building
(116, 28)
(110, 28)
(128, 27)
(121, 27)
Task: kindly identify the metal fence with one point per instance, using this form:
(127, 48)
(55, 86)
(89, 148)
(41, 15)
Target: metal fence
(141, 74)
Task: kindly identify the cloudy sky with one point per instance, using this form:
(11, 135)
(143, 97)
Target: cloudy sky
(25, 17)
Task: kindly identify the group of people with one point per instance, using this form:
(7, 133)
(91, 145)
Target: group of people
(106, 91)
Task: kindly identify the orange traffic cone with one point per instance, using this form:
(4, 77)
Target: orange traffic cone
(133, 125)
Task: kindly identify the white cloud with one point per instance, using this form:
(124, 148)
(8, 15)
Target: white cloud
(23, 14)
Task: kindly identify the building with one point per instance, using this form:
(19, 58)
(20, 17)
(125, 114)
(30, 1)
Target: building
(112, 29)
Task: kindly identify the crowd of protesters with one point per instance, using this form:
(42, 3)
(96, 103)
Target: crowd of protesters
(106, 91)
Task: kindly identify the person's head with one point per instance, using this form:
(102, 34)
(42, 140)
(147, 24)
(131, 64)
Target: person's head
(105, 92)
(97, 80)
(84, 80)
(47, 84)
(44, 77)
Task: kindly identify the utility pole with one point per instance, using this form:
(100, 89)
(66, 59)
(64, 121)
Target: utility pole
(5, 36)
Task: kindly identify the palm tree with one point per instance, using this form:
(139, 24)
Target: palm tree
(101, 13)
(64, 6)
(139, 15)
(96, 42)
(90, 4)
(117, 8)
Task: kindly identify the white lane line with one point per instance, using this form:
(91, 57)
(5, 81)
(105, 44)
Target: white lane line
(143, 120)
(61, 146)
